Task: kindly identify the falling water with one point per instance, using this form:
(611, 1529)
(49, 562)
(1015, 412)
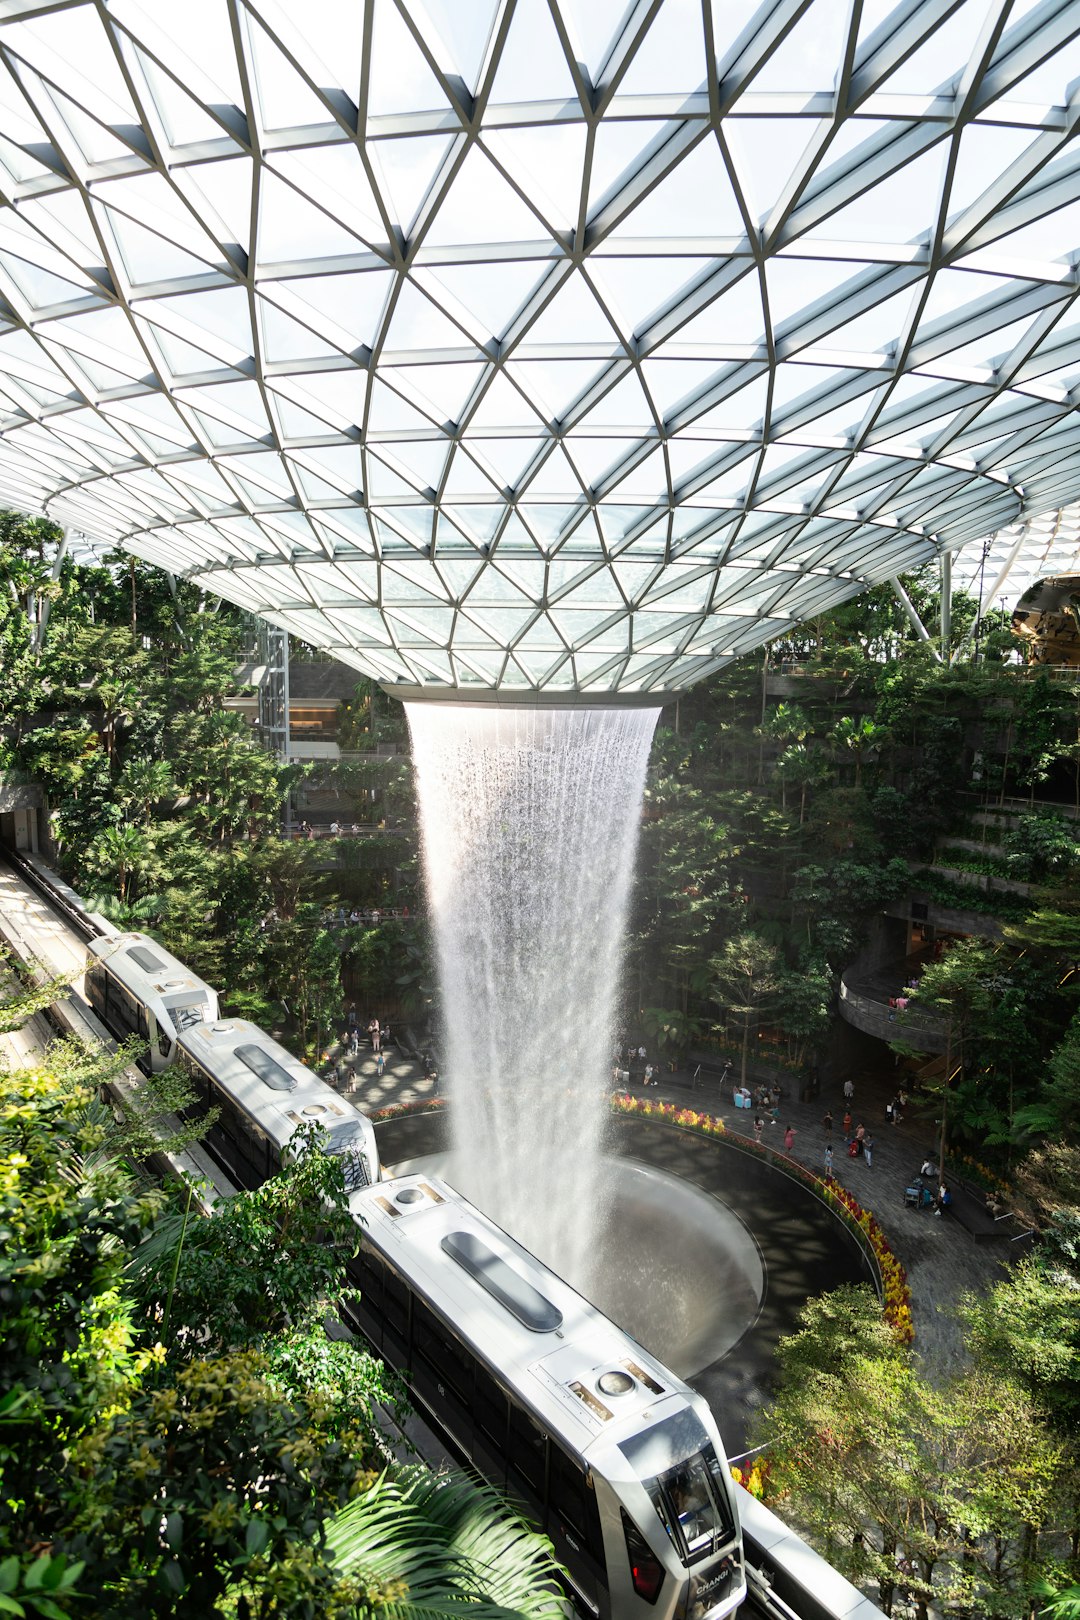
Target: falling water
(529, 820)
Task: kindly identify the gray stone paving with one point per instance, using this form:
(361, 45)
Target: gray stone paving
(941, 1258)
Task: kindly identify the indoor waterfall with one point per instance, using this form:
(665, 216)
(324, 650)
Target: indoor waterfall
(529, 819)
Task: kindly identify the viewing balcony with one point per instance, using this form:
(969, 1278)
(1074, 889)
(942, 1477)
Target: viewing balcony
(864, 1003)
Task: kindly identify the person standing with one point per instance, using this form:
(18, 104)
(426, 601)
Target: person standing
(789, 1139)
(759, 1126)
(380, 1065)
(868, 1150)
(648, 1075)
(828, 1161)
(375, 1031)
(827, 1122)
(847, 1125)
(849, 1090)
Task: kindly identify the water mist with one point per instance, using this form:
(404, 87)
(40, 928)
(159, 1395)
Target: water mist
(529, 820)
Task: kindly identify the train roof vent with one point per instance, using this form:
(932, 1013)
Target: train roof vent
(503, 1283)
(270, 1073)
(145, 959)
(615, 1383)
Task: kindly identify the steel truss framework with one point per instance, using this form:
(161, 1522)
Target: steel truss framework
(550, 344)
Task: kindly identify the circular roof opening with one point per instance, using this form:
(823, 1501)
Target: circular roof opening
(409, 1195)
(615, 1383)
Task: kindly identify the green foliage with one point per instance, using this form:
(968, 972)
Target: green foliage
(956, 1484)
(296, 1235)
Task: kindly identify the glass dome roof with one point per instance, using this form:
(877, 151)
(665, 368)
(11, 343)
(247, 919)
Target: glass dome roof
(555, 344)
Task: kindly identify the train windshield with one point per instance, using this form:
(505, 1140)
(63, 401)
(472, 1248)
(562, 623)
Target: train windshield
(694, 1506)
(347, 1142)
(186, 1010)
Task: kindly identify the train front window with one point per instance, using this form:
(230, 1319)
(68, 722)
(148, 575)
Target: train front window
(692, 1506)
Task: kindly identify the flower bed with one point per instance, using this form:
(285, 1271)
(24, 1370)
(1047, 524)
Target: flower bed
(896, 1293)
(422, 1105)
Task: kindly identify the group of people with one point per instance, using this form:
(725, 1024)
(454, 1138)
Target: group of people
(369, 916)
(336, 829)
(377, 1033)
(857, 1139)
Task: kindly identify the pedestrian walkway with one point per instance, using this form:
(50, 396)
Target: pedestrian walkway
(941, 1259)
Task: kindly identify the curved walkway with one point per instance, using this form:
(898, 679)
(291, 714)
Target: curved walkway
(942, 1260)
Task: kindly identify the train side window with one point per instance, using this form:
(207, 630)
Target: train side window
(526, 1452)
(395, 1303)
(490, 1408)
(574, 1501)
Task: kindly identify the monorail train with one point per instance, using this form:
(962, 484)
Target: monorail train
(611, 1454)
(137, 988)
(264, 1093)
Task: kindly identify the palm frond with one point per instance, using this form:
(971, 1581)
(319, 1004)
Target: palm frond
(457, 1547)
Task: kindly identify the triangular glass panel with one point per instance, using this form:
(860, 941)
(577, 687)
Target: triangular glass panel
(149, 257)
(694, 200)
(489, 294)
(900, 208)
(284, 99)
(624, 406)
(184, 119)
(634, 289)
(406, 168)
(504, 406)
(314, 487)
(479, 523)
(532, 66)
(335, 179)
(423, 461)
(743, 409)
(418, 324)
(348, 308)
(285, 339)
(506, 459)
(290, 227)
(1046, 238)
(554, 384)
(548, 163)
(733, 319)
(594, 457)
(617, 152)
(595, 27)
(479, 202)
(443, 390)
(795, 284)
(671, 382)
(671, 57)
(808, 57)
(40, 287)
(878, 328)
(221, 192)
(466, 481)
(573, 316)
(389, 412)
(400, 81)
(942, 59)
(647, 478)
(986, 152)
(461, 33)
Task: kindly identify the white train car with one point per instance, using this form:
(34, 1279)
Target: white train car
(618, 1460)
(137, 988)
(264, 1094)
